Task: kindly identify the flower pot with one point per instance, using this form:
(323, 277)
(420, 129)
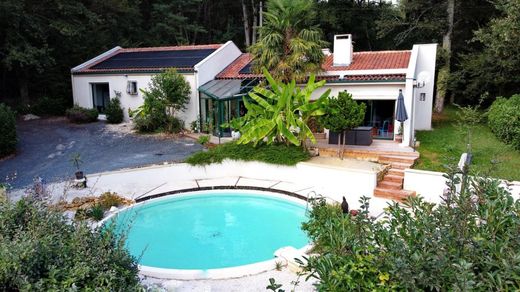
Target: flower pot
(398, 138)
(79, 174)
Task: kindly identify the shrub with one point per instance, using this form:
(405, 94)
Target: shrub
(151, 116)
(468, 242)
(504, 120)
(273, 153)
(50, 106)
(81, 115)
(108, 199)
(114, 111)
(171, 88)
(8, 137)
(174, 125)
(203, 140)
(40, 251)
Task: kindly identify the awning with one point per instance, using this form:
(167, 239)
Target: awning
(227, 88)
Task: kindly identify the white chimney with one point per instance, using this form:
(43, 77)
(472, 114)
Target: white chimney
(342, 50)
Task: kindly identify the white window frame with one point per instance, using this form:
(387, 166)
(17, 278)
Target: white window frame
(132, 88)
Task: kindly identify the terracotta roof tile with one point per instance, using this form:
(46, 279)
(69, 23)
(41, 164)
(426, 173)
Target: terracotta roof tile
(362, 61)
(372, 61)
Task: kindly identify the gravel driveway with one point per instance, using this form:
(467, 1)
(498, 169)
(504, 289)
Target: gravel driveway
(46, 145)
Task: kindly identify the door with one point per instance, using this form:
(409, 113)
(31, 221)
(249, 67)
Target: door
(100, 96)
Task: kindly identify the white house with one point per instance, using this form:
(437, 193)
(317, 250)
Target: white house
(220, 75)
(122, 72)
(374, 77)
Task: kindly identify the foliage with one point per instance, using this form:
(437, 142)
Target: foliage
(50, 106)
(412, 22)
(8, 139)
(171, 88)
(203, 140)
(114, 111)
(174, 125)
(109, 199)
(272, 153)
(290, 43)
(504, 120)
(273, 286)
(343, 113)
(41, 251)
(76, 160)
(468, 117)
(468, 242)
(490, 156)
(281, 112)
(168, 92)
(80, 115)
(95, 212)
(494, 67)
(151, 116)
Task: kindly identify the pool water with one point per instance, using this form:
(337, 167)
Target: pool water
(211, 230)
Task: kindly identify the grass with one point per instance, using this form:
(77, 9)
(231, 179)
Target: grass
(273, 154)
(447, 142)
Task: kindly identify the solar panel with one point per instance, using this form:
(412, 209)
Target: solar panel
(155, 59)
(246, 69)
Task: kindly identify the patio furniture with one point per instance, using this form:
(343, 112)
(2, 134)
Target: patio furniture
(357, 136)
(383, 131)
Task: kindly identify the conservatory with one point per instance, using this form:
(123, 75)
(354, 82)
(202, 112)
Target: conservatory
(221, 101)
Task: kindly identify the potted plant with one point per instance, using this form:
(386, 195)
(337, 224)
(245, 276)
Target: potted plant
(76, 161)
(235, 124)
(399, 135)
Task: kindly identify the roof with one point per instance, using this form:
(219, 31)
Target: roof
(153, 59)
(376, 60)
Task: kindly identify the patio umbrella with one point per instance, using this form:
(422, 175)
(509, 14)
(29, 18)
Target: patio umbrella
(400, 114)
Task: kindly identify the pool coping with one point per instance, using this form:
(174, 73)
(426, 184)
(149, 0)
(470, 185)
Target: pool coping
(221, 273)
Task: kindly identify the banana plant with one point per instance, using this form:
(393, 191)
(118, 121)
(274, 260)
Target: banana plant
(281, 111)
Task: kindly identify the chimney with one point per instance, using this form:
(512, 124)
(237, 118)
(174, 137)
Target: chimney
(343, 50)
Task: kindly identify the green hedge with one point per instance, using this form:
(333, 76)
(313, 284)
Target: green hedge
(114, 111)
(8, 138)
(468, 242)
(504, 119)
(81, 115)
(41, 251)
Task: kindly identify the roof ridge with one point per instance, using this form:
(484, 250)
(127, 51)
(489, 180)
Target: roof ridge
(172, 48)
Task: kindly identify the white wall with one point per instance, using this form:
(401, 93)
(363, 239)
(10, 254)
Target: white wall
(363, 91)
(431, 185)
(425, 66)
(82, 91)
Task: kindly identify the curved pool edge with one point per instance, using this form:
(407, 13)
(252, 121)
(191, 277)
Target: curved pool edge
(215, 274)
(221, 273)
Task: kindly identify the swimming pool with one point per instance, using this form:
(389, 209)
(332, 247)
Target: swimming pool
(212, 229)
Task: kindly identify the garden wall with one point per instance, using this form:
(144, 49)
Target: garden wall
(431, 184)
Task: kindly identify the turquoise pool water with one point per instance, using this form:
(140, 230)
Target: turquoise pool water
(211, 230)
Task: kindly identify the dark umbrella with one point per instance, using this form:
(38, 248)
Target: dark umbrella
(401, 115)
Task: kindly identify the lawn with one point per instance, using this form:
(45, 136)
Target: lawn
(447, 142)
(274, 154)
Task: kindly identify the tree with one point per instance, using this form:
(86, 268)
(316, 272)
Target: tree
(343, 114)
(171, 88)
(495, 67)
(290, 43)
(281, 112)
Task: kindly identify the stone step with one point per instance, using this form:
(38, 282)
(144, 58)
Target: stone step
(401, 165)
(396, 172)
(396, 195)
(397, 158)
(386, 184)
(394, 178)
(320, 136)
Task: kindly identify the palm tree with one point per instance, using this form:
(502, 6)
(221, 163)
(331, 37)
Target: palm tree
(290, 43)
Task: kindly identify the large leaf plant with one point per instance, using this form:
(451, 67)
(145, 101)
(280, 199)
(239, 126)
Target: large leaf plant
(280, 112)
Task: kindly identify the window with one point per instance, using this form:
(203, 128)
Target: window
(131, 87)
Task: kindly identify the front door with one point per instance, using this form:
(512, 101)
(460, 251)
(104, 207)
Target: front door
(100, 96)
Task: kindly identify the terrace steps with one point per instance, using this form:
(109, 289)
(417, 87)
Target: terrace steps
(391, 186)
